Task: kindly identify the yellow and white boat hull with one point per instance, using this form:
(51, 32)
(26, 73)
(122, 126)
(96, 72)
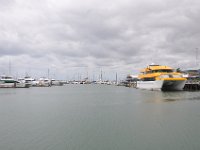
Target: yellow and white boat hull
(173, 85)
(165, 85)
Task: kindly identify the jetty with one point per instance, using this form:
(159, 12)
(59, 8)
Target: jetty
(192, 86)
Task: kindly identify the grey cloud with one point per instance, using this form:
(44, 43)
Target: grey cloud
(120, 34)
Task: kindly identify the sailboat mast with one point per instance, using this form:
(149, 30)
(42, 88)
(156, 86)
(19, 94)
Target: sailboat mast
(196, 56)
(9, 71)
(116, 78)
(101, 75)
(48, 73)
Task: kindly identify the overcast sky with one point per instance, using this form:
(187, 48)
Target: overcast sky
(73, 38)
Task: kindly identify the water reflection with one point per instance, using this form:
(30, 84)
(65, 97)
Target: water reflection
(95, 117)
(160, 97)
(170, 100)
(172, 96)
(7, 91)
(195, 96)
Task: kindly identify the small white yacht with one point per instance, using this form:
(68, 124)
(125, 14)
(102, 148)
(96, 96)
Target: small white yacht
(10, 82)
(7, 81)
(43, 82)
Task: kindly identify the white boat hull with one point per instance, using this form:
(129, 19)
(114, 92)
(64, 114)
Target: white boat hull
(150, 85)
(13, 85)
(22, 85)
(175, 85)
(7, 85)
(168, 85)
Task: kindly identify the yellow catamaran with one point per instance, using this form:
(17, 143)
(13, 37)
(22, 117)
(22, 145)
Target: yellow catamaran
(156, 77)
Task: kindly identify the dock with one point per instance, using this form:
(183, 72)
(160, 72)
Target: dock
(192, 86)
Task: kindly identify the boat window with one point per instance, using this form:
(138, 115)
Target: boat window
(148, 79)
(151, 71)
(163, 70)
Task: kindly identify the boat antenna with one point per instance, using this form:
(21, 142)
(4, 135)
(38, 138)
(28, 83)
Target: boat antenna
(48, 73)
(9, 71)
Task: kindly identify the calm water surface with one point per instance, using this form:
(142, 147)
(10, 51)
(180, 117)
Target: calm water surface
(98, 117)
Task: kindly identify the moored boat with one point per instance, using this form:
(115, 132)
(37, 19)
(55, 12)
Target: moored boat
(56, 82)
(7, 82)
(30, 81)
(10, 82)
(156, 77)
(43, 82)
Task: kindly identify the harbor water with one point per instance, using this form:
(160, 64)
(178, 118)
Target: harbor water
(98, 117)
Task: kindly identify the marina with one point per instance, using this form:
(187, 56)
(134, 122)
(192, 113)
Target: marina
(46, 113)
(167, 79)
(99, 75)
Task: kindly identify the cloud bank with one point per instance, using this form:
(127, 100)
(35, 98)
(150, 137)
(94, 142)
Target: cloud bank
(76, 38)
